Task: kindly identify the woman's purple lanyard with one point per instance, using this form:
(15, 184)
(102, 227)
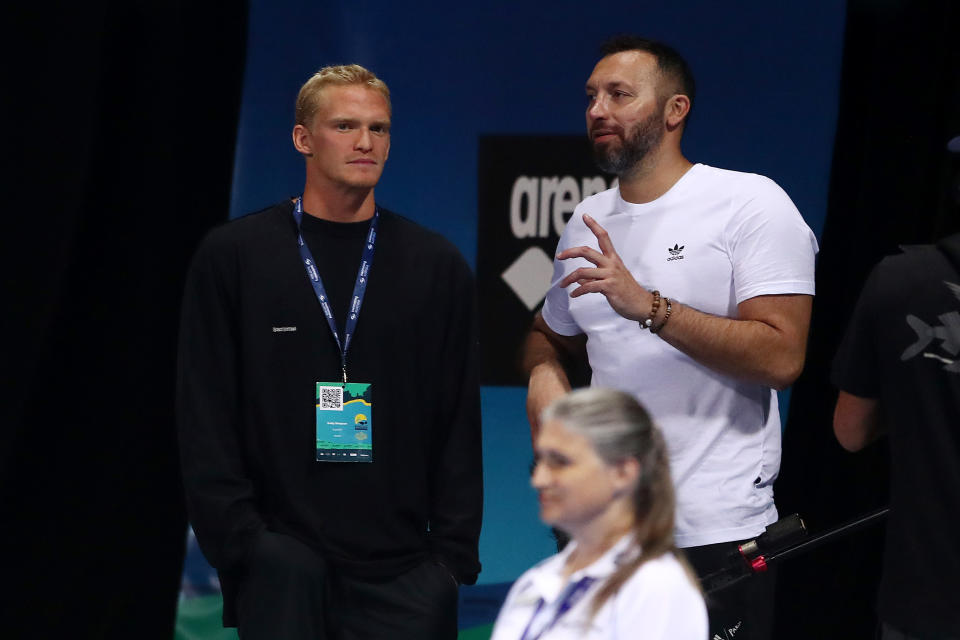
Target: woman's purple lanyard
(573, 594)
(359, 288)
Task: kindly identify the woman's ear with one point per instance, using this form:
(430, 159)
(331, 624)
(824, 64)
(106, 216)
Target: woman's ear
(627, 473)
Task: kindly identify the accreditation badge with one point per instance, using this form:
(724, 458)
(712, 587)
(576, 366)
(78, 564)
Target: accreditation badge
(344, 422)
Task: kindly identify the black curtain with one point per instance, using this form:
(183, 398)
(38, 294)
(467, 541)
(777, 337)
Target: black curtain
(899, 105)
(121, 125)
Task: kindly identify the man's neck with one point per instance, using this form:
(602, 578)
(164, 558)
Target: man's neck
(338, 204)
(653, 176)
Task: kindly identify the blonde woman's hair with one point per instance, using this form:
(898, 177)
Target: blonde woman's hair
(308, 100)
(618, 427)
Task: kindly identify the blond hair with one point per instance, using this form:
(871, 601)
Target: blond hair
(308, 100)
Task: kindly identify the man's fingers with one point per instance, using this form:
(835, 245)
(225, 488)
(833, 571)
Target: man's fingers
(574, 276)
(584, 274)
(588, 253)
(593, 286)
(606, 246)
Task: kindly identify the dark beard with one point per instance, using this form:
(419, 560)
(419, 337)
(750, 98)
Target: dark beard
(644, 137)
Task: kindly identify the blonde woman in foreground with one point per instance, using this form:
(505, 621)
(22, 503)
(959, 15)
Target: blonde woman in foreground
(603, 478)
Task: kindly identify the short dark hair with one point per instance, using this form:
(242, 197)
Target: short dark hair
(669, 60)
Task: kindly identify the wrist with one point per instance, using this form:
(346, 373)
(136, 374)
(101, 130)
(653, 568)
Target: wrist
(665, 312)
(641, 310)
(648, 317)
(661, 310)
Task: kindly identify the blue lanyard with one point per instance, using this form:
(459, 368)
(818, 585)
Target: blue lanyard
(359, 288)
(574, 593)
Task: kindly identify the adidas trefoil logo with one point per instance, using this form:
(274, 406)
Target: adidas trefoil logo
(676, 253)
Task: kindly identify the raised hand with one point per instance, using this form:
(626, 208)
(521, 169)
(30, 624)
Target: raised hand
(610, 276)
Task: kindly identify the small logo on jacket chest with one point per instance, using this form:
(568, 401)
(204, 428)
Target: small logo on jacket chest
(676, 253)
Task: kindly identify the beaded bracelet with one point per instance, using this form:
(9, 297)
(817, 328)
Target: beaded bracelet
(646, 324)
(666, 316)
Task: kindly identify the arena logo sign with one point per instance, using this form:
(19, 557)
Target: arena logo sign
(528, 187)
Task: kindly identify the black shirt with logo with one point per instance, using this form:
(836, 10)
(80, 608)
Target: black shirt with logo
(254, 342)
(902, 347)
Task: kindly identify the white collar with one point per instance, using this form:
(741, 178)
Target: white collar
(546, 580)
(677, 188)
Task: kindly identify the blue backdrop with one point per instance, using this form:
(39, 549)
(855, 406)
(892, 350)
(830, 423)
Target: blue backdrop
(767, 79)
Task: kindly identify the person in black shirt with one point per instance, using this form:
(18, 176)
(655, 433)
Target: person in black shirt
(332, 461)
(898, 371)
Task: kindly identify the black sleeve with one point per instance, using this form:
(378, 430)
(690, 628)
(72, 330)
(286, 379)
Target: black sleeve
(856, 366)
(456, 506)
(220, 497)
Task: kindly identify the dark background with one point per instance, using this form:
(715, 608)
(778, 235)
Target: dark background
(120, 132)
(890, 183)
(501, 159)
(119, 137)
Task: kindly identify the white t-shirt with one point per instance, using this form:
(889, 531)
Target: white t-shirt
(657, 602)
(715, 239)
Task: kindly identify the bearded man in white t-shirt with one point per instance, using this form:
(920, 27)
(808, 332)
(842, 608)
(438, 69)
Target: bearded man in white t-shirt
(691, 288)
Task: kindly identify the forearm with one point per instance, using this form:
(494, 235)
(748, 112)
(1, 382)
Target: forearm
(539, 350)
(456, 508)
(543, 360)
(220, 494)
(744, 348)
(856, 421)
(548, 381)
(457, 512)
(224, 517)
(765, 342)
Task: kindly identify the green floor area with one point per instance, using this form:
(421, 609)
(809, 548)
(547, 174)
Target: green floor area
(477, 633)
(199, 619)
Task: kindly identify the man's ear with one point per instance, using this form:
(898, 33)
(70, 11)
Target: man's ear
(676, 110)
(302, 140)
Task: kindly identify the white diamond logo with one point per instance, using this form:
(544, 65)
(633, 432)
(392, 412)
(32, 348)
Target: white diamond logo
(529, 276)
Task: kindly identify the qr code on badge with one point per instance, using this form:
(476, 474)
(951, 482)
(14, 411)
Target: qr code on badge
(331, 398)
